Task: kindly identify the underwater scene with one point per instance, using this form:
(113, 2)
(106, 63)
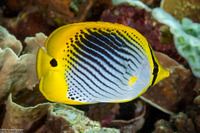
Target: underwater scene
(100, 66)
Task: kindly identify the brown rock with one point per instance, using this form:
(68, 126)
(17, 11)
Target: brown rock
(180, 123)
(197, 87)
(104, 112)
(162, 126)
(128, 117)
(29, 22)
(63, 12)
(182, 8)
(184, 124)
(151, 3)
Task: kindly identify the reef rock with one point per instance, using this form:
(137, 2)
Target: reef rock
(152, 3)
(184, 122)
(128, 117)
(197, 87)
(182, 8)
(28, 22)
(49, 117)
(62, 12)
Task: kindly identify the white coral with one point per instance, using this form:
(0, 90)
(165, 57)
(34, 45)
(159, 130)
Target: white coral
(18, 71)
(187, 45)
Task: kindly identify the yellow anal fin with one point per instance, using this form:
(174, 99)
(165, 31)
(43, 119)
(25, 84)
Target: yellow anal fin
(132, 80)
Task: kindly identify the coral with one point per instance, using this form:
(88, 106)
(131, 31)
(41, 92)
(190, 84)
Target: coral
(197, 87)
(134, 120)
(28, 22)
(52, 12)
(115, 115)
(13, 7)
(75, 4)
(162, 126)
(182, 8)
(131, 2)
(8, 40)
(183, 122)
(173, 93)
(18, 117)
(187, 45)
(66, 11)
(9, 49)
(141, 19)
(190, 27)
(17, 73)
(104, 112)
(151, 3)
(75, 119)
(98, 7)
(57, 117)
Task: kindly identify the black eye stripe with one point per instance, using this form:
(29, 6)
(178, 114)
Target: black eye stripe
(53, 63)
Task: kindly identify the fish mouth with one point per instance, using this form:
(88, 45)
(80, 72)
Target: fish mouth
(43, 63)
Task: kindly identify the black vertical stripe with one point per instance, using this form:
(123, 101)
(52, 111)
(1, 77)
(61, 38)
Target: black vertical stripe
(155, 65)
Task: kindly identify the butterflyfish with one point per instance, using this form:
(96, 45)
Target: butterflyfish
(92, 62)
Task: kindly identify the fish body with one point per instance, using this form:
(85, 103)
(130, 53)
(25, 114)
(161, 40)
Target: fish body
(94, 62)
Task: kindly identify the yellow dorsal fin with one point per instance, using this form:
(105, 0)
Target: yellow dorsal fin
(132, 80)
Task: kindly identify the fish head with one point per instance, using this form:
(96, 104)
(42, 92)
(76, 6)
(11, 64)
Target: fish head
(52, 80)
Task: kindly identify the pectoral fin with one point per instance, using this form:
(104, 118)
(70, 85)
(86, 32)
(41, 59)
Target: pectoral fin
(132, 80)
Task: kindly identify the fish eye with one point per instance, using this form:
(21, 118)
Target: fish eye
(53, 63)
(155, 70)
